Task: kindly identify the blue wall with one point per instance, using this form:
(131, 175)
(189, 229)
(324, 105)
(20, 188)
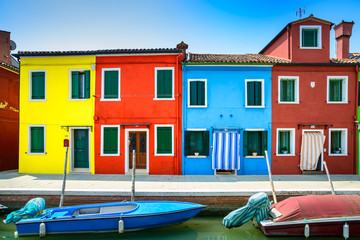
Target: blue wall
(226, 108)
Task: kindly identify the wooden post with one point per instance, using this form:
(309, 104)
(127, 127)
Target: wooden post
(133, 178)
(271, 181)
(64, 180)
(328, 175)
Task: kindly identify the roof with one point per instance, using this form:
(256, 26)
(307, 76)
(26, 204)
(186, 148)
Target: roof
(311, 17)
(97, 52)
(351, 61)
(9, 67)
(234, 58)
(354, 55)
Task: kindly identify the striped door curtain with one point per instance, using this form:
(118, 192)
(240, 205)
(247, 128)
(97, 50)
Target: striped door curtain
(226, 150)
(311, 147)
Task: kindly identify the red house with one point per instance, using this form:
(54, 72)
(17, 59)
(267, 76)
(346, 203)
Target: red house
(138, 107)
(314, 99)
(9, 106)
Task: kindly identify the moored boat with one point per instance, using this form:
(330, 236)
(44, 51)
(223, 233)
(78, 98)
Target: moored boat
(108, 217)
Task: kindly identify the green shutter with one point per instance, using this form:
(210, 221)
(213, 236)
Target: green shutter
(187, 143)
(263, 142)
(309, 38)
(110, 140)
(164, 84)
(284, 141)
(245, 145)
(287, 90)
(201, 93)
(38, 85)
(206, 143)
(37, 139)
(335, 90)
(87, 84)
(75, 76)
(193, 93)
(164, 140)
(111, 88)
(258, 94)
(250, 93)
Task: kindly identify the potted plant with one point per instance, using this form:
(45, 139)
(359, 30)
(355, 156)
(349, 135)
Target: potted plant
(335, 149)
(253, 151)
(284, 150)
(196, 152)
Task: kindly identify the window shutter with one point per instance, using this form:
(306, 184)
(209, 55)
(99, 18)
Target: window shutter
(111, 89)
(257, 93)
(87, 83)
(37, 139)
(164, 140)
(75, 85)
(187, 143)
(193, 93)
(38, 85)
(110, 140)
(201, 93)
(264, 142)
(168, 83)
(164, 83)
(206, 142)
(250, 94)
(309, 37)
(245, 148)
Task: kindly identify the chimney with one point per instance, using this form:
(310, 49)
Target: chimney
(343, 32)
(5, 47)
(183, 46)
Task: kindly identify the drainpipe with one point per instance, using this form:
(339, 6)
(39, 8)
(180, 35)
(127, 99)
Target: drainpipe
(356, 119)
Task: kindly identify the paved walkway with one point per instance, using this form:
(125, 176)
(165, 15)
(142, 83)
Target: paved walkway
(12, 183)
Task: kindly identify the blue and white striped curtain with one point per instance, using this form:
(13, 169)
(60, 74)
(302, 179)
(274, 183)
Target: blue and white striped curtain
(226, 150)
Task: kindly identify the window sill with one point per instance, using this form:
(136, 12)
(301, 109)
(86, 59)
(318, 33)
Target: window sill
(110, 155)
(164, 155)
(80, 99)
(200, 156)
(199, 106)
(338, 155)
(254, 106)
(342, 102)
(161, 99)
(319, 47)
(257, 156)
(110, 99)
(29, 153)
(37, 100)
(295, 102)
(285, 155)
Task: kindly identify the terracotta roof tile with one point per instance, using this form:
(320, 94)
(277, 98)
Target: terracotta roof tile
(354, 55)
(344, 60)
(4, 65)
(234, 58)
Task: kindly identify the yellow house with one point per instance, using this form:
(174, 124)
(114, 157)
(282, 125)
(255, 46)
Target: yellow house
(56, 103)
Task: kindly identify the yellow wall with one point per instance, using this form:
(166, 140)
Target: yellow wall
(55, 112)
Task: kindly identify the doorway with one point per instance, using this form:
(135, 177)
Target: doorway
(137, 139)
(319, 166)
(80, 150)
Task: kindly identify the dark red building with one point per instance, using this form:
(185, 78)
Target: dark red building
(9, 106)
(314, 99)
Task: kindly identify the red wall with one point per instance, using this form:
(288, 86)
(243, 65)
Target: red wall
(280, 48)
(9, 119)
(137, 89)
(313, 109)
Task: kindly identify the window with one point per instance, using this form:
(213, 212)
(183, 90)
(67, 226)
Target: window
(338, 141)
(288, 89)
(80, 84)
(164, 140)
(337, 89)
(254, 93)
(310, 37)
(36, 140)
(285, 141)
(197, 93)
(37, 85)
(196, 141)
(164, 83)
(255, 141)
(110, 140)
(110, 85)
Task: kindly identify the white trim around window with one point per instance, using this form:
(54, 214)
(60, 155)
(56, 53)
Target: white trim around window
(344, 141)
(319, 41)
(173, 82)
(188, 93)
(296, 89)
(102, 140)
(70, 85)
(30, 86)
(103, 70)
(344, 89)
(155, 140)
(292, 142)
(29, 140)
(262, 93)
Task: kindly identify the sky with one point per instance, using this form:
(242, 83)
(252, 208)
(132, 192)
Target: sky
(207, 26)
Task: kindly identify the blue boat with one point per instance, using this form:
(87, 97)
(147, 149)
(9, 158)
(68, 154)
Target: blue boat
(108, 217)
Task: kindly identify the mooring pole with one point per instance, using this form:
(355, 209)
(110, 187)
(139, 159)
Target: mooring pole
(271, 181)
(133, 178)
(66, 144)
(328, 175)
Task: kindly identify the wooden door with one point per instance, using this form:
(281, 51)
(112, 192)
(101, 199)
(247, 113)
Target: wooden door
(81, 148)
(137, 143)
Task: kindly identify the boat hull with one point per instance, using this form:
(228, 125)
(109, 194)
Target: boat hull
(135, 220)
(317, 227)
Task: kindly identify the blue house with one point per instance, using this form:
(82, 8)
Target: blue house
(226, 114)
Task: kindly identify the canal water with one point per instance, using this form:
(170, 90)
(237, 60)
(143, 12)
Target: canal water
(200, 228)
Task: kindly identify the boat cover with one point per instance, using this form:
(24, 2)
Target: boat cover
(33, 207)
(318, 206)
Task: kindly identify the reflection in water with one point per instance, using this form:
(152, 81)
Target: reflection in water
(200, 228)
